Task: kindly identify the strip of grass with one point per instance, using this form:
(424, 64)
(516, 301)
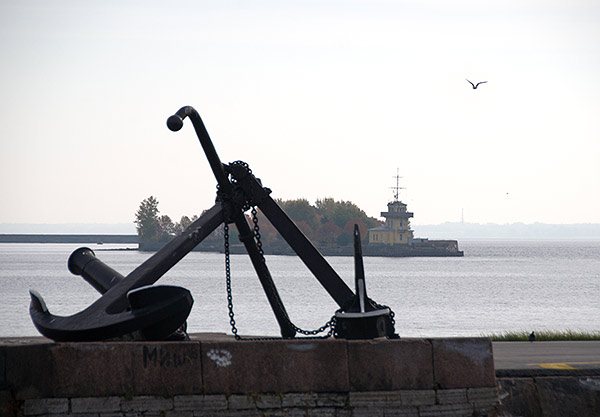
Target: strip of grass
(544, 336)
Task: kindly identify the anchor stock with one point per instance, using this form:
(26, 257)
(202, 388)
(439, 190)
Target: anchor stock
(102, 277)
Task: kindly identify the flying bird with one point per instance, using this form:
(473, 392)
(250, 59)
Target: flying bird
(476, 85)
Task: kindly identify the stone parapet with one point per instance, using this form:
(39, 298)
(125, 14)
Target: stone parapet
(372, 404)
(221, 376)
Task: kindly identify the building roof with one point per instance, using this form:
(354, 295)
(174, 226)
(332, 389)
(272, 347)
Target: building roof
(381, 229)
(396, 203)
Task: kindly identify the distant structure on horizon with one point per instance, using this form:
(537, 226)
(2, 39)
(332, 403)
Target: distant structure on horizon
(395, 238)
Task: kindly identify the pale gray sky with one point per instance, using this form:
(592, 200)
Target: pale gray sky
(322, 99)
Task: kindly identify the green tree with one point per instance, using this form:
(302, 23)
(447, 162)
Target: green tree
(340, 212)
(300, 210)
(306, 229)
(328, 234)
(345, 239)
(326, 208)
(326, 223)
(362, 227)
(183, 224)
(166, 227)
(146, 220)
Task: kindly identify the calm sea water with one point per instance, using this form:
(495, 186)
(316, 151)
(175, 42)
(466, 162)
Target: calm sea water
(497, 286)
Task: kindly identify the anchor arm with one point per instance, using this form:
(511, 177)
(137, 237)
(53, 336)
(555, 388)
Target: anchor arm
(161, 310)
(109, 316)
(83, 262)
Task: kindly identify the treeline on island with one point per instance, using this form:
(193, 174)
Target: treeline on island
(327, 223)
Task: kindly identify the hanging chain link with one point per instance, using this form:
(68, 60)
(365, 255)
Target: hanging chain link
(228, 282)
(256, 232)
(392, 314)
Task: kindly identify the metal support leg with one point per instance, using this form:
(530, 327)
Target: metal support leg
(311, 257)
(258, 261)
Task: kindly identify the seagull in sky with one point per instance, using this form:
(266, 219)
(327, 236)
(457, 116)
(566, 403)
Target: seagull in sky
(476, 85)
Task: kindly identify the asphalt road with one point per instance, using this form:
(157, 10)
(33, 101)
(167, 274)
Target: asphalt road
(547, 355)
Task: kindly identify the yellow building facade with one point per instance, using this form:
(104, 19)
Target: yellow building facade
(396, 230)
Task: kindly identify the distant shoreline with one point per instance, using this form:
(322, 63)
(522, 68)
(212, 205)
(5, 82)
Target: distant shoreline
(459, 231)
(115, 233)
(133, 239)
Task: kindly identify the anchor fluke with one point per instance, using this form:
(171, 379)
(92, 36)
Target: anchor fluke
(37, 302)
(149, 296)
(156, 311)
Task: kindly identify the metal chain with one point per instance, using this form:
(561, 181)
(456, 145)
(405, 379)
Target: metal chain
(257, 237)
(330, 324)
(228, 282)
(392, 314)
(256, 231)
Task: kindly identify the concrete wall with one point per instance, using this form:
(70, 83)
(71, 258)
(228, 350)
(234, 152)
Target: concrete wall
(531, 394)
(223, 377)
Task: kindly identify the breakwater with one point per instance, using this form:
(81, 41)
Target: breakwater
(73, 238)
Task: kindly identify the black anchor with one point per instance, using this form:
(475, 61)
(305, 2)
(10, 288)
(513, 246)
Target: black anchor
(129, 304)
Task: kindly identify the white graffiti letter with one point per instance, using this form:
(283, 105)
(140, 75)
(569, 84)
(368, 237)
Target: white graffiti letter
(221, 357)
